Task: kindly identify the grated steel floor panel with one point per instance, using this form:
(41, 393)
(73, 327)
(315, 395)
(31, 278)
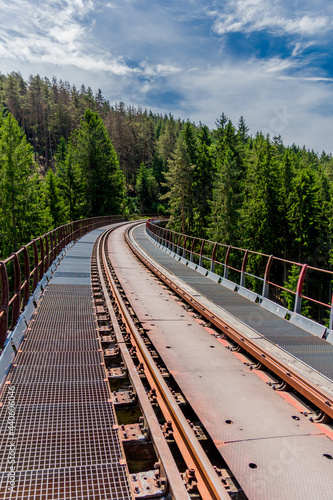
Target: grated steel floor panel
(100, 482)
(310, 349)
(64, 442)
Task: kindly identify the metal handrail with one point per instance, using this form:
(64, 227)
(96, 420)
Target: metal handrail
(43, 251)
(165, 236)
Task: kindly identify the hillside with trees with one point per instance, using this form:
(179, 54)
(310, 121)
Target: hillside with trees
(66, 153)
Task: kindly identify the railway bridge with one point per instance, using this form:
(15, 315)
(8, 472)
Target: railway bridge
(148, 364)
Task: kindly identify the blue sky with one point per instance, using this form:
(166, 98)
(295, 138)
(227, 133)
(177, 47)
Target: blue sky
(270, 61)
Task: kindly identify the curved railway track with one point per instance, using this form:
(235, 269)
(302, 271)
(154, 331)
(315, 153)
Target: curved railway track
(199, 468)
(200, 478)
(315, 394)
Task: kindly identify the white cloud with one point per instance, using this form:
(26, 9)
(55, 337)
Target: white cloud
(143, 53)
(259, 15)
(54, 33)
(161, 70)
(268, 101)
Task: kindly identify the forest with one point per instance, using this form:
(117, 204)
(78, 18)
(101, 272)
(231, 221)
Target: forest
(67, 154)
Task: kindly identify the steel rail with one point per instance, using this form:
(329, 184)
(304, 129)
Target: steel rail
(176, 485)
(208, 482)
(317, 396)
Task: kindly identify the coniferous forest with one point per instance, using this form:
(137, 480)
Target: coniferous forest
(66, 154)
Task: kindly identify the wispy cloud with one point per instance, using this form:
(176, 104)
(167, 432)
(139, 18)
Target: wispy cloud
(258, 15)
(299, 48)
(259, 58)
(56, 33)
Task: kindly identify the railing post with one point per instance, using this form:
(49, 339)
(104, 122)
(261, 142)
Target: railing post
(4, 305)
(26, 286)
(178, 244)
(17, 291)
(63, 238)
(72, 231)
(226, 263)
(192, 249)
(167, 238)
(69, 233)
(299, 291)
(36, 262)
(242, 277)
(212, 259)
(48, 252)
(331, 315)
(184, 246)
(201, 252)
(41, 262)
(173, 242)
(163, 237)
(170, 240)
(265, 287)
(56, 243)
(66, 235)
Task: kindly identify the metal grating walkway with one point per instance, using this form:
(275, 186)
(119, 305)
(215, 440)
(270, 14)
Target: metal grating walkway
(312, 350)
(64, 443)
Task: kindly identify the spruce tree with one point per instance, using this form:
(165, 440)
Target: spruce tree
(203, 176)
(179, 181)
(102, 180)
(53, 199)
(20, 216)
(147, 190)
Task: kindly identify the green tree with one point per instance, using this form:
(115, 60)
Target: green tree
(70, 185)
(203, 176)
(19, 216)
(259, 214)
(225, 206)
(102, 180)
(53, 199)
(166, 142)
(307, 221)
(243, 129)
(228, 186)
(147, 190)
(179, 181)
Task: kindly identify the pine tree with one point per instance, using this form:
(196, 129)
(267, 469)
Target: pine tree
(228, 186)
(259, 214)
(242, 131)
(96, 158)
(18, 193)
(53, 199)
(225, 207)
(147, 190)
(179, 181)
(70, 184)
(306, 219)
(203, 176)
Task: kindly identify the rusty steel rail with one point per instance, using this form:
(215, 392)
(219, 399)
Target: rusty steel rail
(163, 452)
(208, 482)
(21, 272)
(294, 379)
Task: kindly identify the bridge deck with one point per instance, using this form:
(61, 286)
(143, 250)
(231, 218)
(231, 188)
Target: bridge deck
(312, 350)
(62, 433)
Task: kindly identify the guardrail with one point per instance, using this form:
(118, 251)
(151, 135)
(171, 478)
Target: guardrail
(21, 272)
(264, 276)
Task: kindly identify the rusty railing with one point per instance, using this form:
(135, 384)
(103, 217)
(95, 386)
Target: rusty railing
(21, 272)
(264, 274)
